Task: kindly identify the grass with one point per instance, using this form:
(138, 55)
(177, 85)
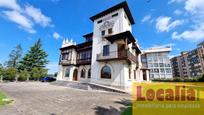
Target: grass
(128, 110)
(3, 96)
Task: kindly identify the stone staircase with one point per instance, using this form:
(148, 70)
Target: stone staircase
(87, 86)
(71, 84)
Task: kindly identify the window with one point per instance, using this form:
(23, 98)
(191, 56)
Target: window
(129, 73)
(106, 72)
(156, 64)
(89, 73)
(114, 15)
(162, 70)
(65, 56)
(103, 33)
(156, 70)
(67, 72)
(161, 64)
(110, 31)
(106, 50)
(83, 72)
(99, 21)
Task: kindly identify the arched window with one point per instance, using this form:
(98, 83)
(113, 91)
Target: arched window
(89, 73)
(106, 72)
(83, 73)
(67, 72)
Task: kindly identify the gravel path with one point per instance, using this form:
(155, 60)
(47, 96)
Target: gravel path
(36, 98)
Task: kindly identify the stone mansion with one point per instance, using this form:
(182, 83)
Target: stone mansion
(110, 55)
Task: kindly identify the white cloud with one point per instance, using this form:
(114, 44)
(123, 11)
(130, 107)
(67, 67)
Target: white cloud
(26, 17)
(11, 4)
(195, 11)
(20, 19)
(56, 35)
(194, 6)
(146, 18)
(175, 1)
(178, 12)
(195, 35)
(164, 24)
(37, 16)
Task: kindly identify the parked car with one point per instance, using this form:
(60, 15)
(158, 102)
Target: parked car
(48, 79)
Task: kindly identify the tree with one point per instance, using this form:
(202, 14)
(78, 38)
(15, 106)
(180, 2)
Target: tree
(38, 73)
(55, 74)
(14, 57)
(35, 58)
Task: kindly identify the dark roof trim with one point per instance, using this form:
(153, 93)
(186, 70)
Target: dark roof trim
(84, 44)
(123, 5)
(137, 48)
(122, 35)
(88, 35)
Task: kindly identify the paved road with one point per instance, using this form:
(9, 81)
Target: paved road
(35, 98)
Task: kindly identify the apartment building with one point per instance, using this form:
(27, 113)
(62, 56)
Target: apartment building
(180, 66)
(110, 54)
(189, 64)
(158, 62)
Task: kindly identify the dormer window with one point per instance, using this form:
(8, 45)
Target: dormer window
(114, 15)
(103, 33)
(99, 21)
(110, 30)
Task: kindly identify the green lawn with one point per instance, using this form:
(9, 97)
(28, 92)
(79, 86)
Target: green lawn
(2, 96)
(128, 110)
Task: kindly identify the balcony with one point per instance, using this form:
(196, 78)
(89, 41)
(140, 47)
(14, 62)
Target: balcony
(117, 55)
(84, 61)
(65, 62)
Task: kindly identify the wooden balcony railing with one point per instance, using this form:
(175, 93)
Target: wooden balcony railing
(65, 62)
(84, 61)
(117, 55)
(78, 62)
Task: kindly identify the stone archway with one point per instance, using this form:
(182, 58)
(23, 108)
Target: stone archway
(75, 75)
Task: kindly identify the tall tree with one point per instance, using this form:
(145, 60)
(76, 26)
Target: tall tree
(35, 58)
(14, 57)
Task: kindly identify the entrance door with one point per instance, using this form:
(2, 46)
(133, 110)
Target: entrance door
(121, 50)
(75, 75)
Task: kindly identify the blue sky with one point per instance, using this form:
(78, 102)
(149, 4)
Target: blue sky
(179, 23)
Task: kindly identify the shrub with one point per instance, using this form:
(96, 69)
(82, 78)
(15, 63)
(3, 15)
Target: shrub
(24, 75)
(9, 74)
(201, 79)
(38, 73)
